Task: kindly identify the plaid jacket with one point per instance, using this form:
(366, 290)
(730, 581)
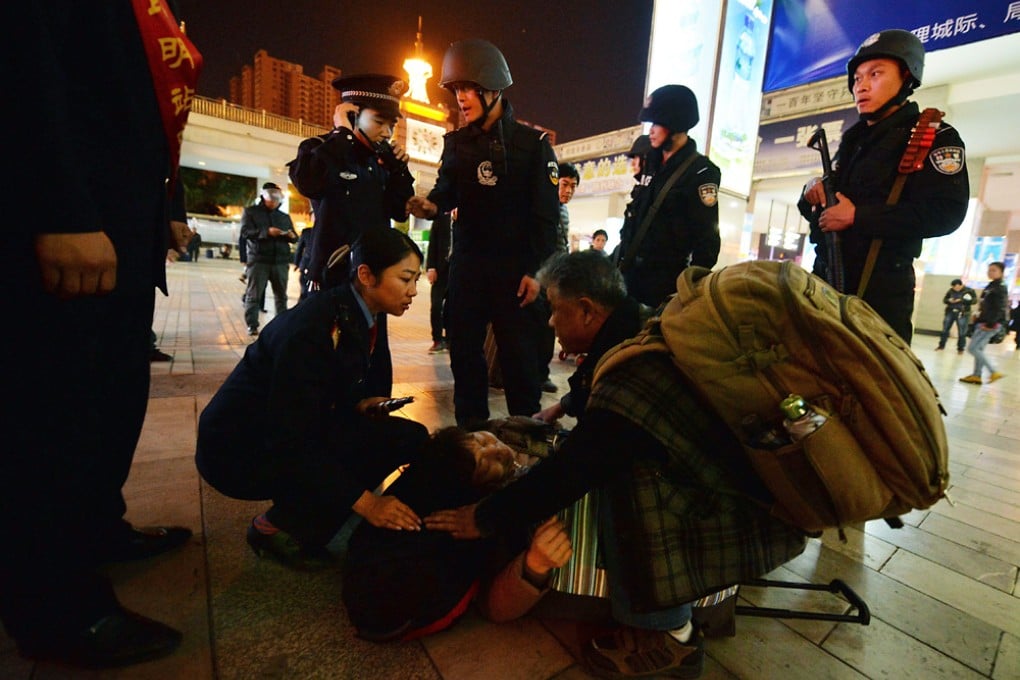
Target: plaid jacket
(687, 526)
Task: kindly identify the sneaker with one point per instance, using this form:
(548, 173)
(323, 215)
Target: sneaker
(438, 346)
(994, 376)
(549, 386)
(253, 330)
(285, 549)
(640, 653)
(971, 379)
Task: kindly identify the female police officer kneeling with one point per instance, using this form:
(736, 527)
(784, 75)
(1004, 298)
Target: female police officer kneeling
(294, 422)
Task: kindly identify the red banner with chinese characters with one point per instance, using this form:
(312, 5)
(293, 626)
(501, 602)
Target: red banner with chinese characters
(175, 65)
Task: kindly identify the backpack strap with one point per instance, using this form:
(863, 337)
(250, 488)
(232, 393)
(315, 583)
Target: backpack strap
(648, 340)
(650, 215)
(921, 139)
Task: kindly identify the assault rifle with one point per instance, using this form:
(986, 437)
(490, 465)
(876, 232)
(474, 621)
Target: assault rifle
(834, 251)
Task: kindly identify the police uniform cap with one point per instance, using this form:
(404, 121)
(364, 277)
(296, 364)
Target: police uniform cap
(373, 90)
(640, 147)
(672, 106)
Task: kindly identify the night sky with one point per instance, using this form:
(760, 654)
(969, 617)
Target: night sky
(578, 67)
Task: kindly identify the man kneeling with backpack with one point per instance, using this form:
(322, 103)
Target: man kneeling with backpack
(683, 515)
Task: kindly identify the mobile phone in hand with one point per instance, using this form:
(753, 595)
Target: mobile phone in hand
(391, 405)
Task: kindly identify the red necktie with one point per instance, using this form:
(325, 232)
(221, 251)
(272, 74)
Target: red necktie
(372, 333)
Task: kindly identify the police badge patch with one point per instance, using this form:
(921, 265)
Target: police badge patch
(554, 172)
(947, 159)
(486, 175)
(871, 40)
(709, 194)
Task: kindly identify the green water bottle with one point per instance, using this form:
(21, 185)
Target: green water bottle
(801, 420)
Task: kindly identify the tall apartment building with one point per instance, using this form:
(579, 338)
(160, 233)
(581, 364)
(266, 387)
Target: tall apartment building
(282, 87)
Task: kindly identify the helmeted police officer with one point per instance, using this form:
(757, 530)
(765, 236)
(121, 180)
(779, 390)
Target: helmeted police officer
(636, 159)
(886, 69)
(685, 228)
(356, 179)
(502, 178)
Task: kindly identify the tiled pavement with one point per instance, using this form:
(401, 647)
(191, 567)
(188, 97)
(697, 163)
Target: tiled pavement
(942, 590)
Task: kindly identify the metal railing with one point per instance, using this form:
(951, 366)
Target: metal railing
(221, 108)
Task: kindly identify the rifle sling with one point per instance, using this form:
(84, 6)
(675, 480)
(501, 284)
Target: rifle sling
(650, 215)
(921, 139)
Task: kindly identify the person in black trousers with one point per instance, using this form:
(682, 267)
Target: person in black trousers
(297, 420)
(437, 270)
(502, 177)
(86, 269)
(302, 259)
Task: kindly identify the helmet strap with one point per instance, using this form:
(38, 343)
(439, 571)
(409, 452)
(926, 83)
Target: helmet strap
(487, 106)
(670, 142)
(895, 102)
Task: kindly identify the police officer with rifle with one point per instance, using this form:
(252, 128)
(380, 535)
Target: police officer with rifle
(899, 177)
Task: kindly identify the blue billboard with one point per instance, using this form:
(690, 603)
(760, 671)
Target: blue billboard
(813, 39)
(783, 149)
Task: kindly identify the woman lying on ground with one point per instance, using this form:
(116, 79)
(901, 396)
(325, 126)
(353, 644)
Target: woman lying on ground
(400, 585)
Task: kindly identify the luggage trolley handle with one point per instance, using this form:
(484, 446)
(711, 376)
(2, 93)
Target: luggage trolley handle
(838, 586)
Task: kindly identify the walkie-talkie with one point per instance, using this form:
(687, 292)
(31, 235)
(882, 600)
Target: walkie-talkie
(389, 159)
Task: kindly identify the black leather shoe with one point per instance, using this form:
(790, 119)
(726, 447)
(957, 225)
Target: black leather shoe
(549, 386)
(140, 544)
(159, 355)
(118, 639)
(284, 548)
(253, 331)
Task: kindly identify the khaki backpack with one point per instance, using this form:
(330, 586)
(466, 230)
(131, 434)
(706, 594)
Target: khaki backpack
(751, 334)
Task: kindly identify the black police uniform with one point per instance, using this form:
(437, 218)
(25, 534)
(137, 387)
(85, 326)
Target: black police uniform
(283, 425)
(356, 188)
(302, 257)
(684, 231)
(75, 419)
(933, 203)
(437, 257)
(503, 183)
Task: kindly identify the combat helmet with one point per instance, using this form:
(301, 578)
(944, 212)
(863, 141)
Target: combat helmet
(640, 147)
(476, 61)
(672, 106)
(897, 44)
